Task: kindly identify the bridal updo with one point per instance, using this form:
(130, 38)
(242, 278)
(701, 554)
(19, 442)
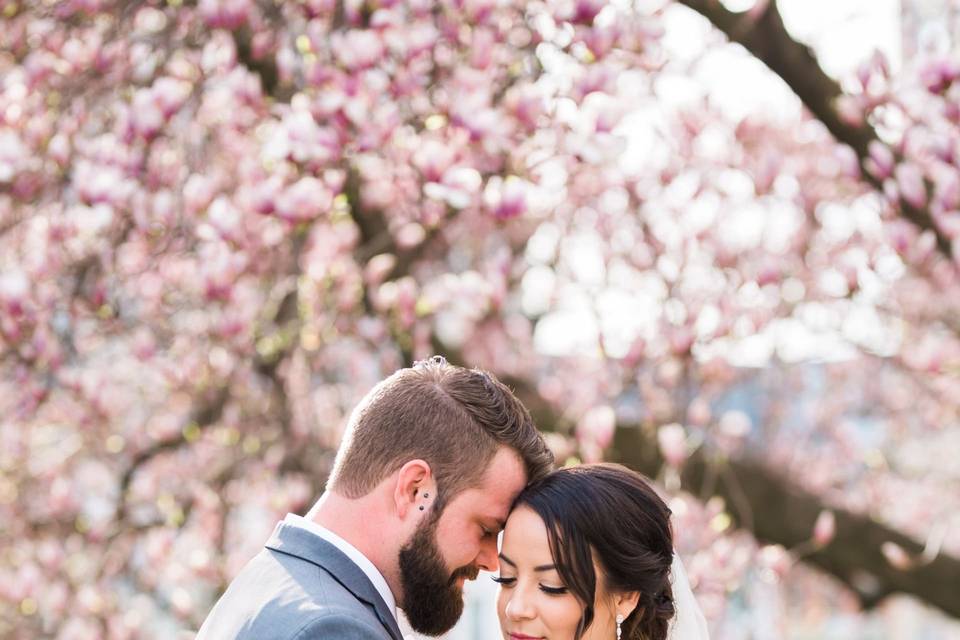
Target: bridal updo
(608, 513)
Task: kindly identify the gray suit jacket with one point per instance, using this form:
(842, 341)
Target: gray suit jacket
(300, 587)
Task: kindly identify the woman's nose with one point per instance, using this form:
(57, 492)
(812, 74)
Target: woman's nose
(520, 606)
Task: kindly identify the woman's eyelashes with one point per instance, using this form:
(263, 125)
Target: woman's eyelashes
(509, 582)
(553, 591)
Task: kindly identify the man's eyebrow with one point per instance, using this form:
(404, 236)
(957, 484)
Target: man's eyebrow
(542, 567)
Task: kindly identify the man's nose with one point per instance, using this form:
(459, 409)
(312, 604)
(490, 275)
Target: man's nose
(488, 559)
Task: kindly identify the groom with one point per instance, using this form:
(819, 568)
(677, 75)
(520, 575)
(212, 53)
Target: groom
(430, 463)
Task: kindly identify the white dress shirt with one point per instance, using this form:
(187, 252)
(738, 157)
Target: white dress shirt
(376, 578)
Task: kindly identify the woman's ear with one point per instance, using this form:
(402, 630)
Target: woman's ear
(625, 603)
(415, 488)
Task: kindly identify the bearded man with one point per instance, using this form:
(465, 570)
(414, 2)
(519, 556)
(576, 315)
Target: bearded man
(423, 481)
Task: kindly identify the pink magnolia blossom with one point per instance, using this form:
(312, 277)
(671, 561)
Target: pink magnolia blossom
(12, 154)
(59, 149)
(102, 184)
(146, 115)
(699, 412)
(306, 141)
(948, 191)
(459, 187)
(896, 556)
(911, 184)
(226, 14)
(850, 109)
(433, 159)
(949, 223)
(597, 425)
(304, 200)
(902, 236)
(824, 529)
(225, 218)
(579, 11)
(777, 560)
(733, 428)
(14, 287)
(198, 192)
(170, 94)
(672, 440)
(506, 198)
(357, 49)
(881, 161)
(527, 105)
(938, 75)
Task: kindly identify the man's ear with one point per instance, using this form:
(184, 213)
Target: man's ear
(415, 488)
(625, 603)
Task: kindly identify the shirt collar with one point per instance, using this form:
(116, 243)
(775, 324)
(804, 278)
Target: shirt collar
(368, 568)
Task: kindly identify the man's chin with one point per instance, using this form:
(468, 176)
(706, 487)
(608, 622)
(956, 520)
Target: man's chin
(434, 627)
(434, 611)
(432, 595)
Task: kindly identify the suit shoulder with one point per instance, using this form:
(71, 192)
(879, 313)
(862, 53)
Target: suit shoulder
(282, 597)
(341, 625)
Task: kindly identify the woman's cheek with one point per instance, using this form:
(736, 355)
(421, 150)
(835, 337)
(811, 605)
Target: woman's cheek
(563, 617)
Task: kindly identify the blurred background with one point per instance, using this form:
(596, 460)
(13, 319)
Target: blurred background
(715, 241)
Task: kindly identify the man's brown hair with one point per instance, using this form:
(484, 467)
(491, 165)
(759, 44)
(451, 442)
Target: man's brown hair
(453, 418)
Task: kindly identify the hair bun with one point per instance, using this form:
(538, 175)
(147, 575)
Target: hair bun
(664, 605)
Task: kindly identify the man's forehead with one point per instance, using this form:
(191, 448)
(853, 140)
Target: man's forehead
(502, 482)
(477, 504)
(505, 476)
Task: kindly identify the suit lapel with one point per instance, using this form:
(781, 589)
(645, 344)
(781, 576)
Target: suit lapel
(298, 542)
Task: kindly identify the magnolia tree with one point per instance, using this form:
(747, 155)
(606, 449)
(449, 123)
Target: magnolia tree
(223, 221)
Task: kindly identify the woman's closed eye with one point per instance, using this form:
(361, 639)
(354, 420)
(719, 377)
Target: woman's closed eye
(506, 581)
(553, 591)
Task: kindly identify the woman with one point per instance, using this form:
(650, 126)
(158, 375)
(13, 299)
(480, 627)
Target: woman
(587, 555)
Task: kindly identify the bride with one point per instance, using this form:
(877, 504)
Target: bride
(587, 554)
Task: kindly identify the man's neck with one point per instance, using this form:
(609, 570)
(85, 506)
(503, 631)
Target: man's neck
(361, 523)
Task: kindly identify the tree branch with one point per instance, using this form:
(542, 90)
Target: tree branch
(204, 415)
(264, 66)
(766, 37)
(784, 513)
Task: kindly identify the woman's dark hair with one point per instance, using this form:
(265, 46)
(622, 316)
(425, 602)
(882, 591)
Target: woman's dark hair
(608, 512)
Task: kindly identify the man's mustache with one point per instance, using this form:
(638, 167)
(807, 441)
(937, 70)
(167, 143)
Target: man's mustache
(470, 573)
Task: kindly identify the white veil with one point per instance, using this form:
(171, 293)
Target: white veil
(688, 622)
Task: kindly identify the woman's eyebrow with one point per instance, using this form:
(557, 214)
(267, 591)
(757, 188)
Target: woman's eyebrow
(542, 567)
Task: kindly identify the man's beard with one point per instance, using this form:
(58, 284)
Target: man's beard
(432, 599)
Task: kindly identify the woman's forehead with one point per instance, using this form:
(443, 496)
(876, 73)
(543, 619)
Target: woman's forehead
(526, 532)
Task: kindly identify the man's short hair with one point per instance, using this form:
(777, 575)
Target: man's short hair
(453, 418)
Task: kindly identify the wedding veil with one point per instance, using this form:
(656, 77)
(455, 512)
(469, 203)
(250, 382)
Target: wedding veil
(688, 622)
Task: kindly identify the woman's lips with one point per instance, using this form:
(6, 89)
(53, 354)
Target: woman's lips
(522, 636)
